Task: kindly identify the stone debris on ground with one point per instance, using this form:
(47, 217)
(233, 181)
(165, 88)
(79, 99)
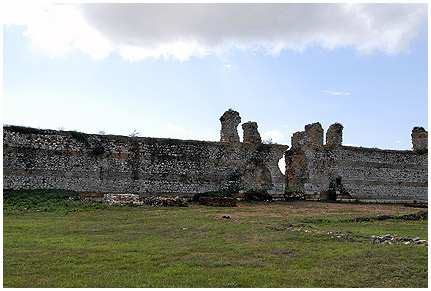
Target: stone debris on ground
(396, 239)
(295, 195)
(122, 199)
(384, 239)
(160, 201)
(136, 200)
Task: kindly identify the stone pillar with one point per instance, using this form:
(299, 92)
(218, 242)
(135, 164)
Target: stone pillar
(334, 135)
(229, 123)
(420, 139)
(298, 139)
(251, 134)
(314, 134)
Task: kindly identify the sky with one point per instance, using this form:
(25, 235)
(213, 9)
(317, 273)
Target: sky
(172, 70)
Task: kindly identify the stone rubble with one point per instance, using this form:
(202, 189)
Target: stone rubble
(384, 239)
(122, 199)
(160, 201)
(396, 239)
(136, 200)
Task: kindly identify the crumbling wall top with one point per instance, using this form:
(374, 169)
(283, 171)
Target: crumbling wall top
(229, 123)
(334, 135)
(314, 134)
(419, 138)
(251, 134)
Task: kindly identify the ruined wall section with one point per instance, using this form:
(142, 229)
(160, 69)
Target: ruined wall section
(367, 174)
(147, 166)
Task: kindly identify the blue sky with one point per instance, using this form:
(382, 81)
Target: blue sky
(119, 68)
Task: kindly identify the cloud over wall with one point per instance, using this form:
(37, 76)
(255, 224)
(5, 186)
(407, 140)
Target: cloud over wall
(180, 31)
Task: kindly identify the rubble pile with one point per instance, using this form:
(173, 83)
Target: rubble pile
(294, 195)
(396, 239)
(159, 201)
(122, 199)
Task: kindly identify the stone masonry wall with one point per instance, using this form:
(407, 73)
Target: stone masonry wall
(367, 174)
(146, 166)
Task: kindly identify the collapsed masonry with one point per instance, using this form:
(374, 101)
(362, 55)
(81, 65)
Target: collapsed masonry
(343, 173)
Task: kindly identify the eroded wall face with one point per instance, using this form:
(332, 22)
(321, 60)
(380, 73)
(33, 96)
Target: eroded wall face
(118, 164)
(369, 175)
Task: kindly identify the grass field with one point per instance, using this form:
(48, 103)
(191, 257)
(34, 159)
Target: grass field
(278, 244)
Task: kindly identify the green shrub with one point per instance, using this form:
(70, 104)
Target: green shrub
(257, 195)
(58, 201)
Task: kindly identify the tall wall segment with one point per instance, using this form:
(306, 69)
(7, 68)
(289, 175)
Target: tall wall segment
(366, 174)
(147, 166)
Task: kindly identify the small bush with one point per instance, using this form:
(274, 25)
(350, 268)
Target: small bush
(257, 195)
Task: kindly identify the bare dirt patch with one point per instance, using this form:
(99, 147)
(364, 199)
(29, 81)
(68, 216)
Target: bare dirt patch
(306, 208)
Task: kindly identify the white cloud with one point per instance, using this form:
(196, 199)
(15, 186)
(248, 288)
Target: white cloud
(180, 31)
(329, 92)
(176, 129)
(274, 135)
(58, 29)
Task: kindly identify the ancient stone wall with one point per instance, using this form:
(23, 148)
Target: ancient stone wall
(146, 166)
(367, 174)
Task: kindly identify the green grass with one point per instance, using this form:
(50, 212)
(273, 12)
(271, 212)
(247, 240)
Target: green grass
(194, 247)
(46, 200)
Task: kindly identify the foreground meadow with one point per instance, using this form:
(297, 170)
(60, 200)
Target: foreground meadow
(257, 244)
